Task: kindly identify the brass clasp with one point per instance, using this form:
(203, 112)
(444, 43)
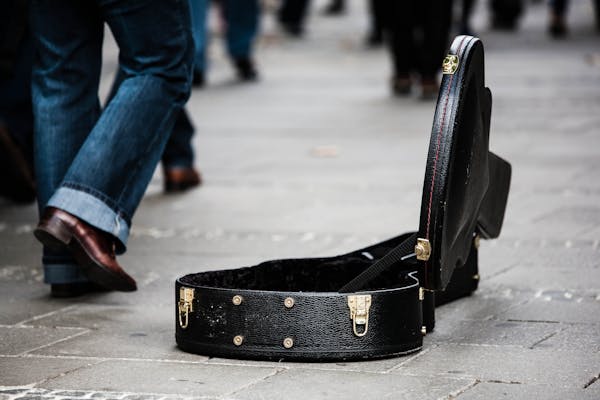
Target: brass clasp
(359, 312)
(185, 305)
(423, 249)
(450, 64)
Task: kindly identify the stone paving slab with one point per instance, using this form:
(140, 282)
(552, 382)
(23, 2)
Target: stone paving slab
(25, 339)
(305, 384)
(161, 377)
(22, 371)
(562, 369)
(554, 306)
(583, 337)
(499, 390)
(494, 332)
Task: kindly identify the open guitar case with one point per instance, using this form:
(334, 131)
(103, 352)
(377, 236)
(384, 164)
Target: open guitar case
(378, 301)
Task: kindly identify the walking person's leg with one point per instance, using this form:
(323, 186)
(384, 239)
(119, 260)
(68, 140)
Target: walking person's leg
(198, 11)
(68, 37)
(436, 17)
(242, 18)
(178, 158)
(90, 212)
(399, 27)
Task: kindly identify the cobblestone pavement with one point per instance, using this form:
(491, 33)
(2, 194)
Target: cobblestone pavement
(318, 159)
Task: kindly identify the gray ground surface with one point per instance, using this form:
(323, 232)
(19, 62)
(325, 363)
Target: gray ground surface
(317, 159)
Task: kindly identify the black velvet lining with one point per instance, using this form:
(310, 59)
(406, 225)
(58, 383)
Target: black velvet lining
(311, 274)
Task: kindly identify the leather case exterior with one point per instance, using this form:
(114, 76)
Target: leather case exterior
(297, 309)
(466, 186)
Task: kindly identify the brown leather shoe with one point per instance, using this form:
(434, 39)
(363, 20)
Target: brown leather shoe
(93, 249)
(429, 88)
(401, 85)
(179, 179)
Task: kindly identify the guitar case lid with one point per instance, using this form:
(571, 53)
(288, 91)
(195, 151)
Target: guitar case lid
(465, 189)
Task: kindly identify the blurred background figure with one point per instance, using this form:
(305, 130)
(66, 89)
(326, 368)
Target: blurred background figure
(335, 7)
(376, 23)
(557, 26)
(465, 17)
(241, 23)
(292, 16)
(16, 117)
(506, 13)
(418, 34)
(376, 16)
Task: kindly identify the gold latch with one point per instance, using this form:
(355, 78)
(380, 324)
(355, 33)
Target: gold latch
(185, 305)
(359, 312)
(450, 64)
(423, 249)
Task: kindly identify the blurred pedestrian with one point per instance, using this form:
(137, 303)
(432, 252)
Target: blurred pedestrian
(506, 14)
(93, 167)
(418, 33)
(292, 16)
(335, 7)
(558, 26)
(241, 18)
(465, 17)
(377, 9)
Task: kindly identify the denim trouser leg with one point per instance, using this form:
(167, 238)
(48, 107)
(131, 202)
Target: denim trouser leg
(178, 150)
(198, 10)
(65, 109)
(97, 166)
(242, 17)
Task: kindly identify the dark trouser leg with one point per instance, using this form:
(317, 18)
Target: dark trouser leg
(292, 14)
(399, 25)
(242, 17)
(178, 151)
(436, 16)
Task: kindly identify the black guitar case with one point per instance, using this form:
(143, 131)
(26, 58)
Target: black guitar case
(378, 301)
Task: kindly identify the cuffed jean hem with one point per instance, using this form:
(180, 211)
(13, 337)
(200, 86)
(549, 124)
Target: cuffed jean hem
(93, 211)
(63, 273)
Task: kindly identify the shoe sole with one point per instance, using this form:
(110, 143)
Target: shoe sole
(58, 237)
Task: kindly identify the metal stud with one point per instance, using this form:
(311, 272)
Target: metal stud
(238, 340)
(423, 330)
(237, 300)
(476, 277)
(421, 294)
(423, 249)
(288, 302)
(288, 343)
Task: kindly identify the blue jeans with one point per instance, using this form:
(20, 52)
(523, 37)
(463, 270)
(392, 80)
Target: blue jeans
(97, 164)
(178, 150)
(242, 19)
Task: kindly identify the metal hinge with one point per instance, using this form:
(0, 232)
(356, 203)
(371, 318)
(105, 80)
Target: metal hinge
(185, 305)
(359, 312)
(423, 249)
